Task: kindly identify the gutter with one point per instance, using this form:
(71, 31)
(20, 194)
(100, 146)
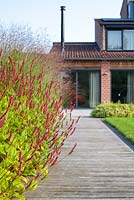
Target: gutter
(98, 59)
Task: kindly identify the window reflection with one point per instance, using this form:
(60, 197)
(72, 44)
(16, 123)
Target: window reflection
(120, 40)
(114, 40)
(128, 39)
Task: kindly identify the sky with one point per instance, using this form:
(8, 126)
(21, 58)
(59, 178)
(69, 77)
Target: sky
(45, 14)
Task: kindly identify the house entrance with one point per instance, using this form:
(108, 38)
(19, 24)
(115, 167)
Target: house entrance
(122, 86)
(87, 88)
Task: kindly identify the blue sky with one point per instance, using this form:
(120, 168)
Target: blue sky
(79, 16)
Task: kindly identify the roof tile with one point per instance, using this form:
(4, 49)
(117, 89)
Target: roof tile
(90, 51)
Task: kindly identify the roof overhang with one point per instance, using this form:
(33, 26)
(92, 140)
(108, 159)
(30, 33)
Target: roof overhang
(98, 59)
(116, 22)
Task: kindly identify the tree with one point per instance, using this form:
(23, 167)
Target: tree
(22, 38)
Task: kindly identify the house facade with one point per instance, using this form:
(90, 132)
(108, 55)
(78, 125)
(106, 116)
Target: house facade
(101, 71)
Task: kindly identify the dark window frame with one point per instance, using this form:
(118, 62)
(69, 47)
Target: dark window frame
(117, 70)
(115, 50)
(121, 41)
(78, 70)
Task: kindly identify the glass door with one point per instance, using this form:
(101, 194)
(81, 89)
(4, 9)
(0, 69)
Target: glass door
(130, 87)
(87, 88)
(83, 89)
(94, 88)
(119, 86)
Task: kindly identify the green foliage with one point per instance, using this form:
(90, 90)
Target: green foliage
(124, 125)
(113, 110)
(31, 127)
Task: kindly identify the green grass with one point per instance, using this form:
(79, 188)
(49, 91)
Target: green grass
(124, 125)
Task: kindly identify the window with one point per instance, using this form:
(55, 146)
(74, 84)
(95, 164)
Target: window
(128, 39)
(85, 90)
(119, 40)
(114, 40)
(122, 86)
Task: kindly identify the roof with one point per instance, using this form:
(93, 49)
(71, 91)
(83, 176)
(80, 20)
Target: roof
(117, 19)
(84, 51)
(116, 22)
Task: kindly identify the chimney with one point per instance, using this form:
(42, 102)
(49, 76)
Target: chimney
(127, 10)
(62, 27)
(131, 9)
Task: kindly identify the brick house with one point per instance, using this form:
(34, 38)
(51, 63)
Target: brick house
(101, 71)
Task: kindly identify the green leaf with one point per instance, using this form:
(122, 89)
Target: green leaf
(24, 179)
(4, 198)
(29, 172)
(2, 151)
(12, 152)
(45, 171)
(19, 196)
(33, 185)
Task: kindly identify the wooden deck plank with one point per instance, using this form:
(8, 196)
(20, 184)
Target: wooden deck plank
(102, 166)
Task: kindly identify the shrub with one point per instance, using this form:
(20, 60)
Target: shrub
(31, 128)
(113, 110)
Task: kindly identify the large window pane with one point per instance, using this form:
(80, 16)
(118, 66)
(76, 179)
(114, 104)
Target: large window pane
(83, 89)
(130, 87)
(94, 85)
(86, 92)
(119, 86)
(128, 39)
(114, 40)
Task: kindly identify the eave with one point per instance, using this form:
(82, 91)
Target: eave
(98, 59)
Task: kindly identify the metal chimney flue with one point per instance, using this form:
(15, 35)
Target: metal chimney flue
(131, 9)
(62, 26)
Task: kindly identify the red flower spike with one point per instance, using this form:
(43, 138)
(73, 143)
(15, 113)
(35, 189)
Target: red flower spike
(0, 52)
(72, 149)
(57, 151)
(12, 99)
(54, 161)
(10, 135)
(31, 104)
(2, 121)
(73, 131)
(38, 175)
(20, 91)
(61, 116)
(51, 84)
(72, 107)
(34, 131)
(77, 120)
(70, 116)
(46, 135)
(20, 162)
(31, 145)
(45, 164)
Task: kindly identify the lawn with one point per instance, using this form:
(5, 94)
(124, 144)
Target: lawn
(124, 125)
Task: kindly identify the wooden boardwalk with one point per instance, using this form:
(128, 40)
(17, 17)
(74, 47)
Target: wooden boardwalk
(102, 167)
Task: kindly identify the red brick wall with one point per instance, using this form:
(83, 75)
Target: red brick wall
(105, 68)
(82, 64)
(100, 34)
(122, 65)
(105, 82)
